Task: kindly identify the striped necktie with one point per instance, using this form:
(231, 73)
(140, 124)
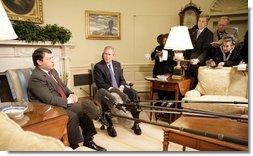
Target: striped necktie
(114, 83)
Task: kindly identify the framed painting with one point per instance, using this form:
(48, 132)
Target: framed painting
(102, 25)
(24, 10)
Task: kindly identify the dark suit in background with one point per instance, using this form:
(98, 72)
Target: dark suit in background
(201, 50)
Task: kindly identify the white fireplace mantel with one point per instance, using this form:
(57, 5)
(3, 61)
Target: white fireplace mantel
(17, 54)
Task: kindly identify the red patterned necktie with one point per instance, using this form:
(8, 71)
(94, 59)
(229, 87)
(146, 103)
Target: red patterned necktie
(59, 87)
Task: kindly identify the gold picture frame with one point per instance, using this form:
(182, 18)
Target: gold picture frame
(24, 10)
(102, 25)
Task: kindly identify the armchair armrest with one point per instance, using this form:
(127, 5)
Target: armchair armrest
(192, 93)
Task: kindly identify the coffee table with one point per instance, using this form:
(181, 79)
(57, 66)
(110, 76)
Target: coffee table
(227, 127)
(47, 120)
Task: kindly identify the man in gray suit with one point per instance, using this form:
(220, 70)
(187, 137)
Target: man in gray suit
(45, 86)
(223, 29)
(106, 79)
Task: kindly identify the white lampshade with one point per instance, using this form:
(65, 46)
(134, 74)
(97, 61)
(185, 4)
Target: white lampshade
(6, 30)
(179, 39)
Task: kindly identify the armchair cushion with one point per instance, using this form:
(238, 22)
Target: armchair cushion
(223, 108)
(14, 138)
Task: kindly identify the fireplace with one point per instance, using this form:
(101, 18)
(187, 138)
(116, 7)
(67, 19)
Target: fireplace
(17, 54)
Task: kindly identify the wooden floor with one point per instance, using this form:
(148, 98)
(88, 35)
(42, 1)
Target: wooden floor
(150, 140)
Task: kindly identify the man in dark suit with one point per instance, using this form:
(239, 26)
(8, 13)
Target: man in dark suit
(106, 79)
(45, 86)
(201, 40)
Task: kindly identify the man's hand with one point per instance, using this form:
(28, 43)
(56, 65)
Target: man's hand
(221, 64)
(194, 61)
(158, 53)
(72, 99)
(121, 88)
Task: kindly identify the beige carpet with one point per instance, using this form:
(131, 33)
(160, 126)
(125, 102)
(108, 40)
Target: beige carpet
(150, 140)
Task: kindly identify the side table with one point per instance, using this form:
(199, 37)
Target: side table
(179, 86)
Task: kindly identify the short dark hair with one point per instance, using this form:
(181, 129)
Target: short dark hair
(38, 54)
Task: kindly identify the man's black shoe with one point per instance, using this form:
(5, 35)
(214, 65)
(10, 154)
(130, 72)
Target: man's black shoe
(137, 129)
(111, 131)
(91, 144)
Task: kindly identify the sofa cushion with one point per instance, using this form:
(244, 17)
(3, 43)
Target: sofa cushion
(223, 108)
(239, 83)
(14, 138)
(213, 81)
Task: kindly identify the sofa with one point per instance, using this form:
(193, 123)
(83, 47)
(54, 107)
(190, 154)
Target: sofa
(219, 84)
(14, 138)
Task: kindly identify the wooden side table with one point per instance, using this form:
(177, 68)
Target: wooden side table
(226, 127)
(47, 120)
(179, 86)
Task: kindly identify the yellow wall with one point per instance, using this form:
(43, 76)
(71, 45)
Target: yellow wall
(141, 22)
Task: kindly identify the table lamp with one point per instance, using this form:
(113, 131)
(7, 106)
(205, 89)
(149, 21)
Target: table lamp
(6, 30)
(179, 40)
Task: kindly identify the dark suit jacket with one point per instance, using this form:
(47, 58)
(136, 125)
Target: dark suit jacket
(233, 60)
(202, 47)
(163, 67)
(42, 88)
(102, 75)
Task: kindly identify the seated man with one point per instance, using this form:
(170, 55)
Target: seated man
(46, 86)
(227, 55)
(108, 75)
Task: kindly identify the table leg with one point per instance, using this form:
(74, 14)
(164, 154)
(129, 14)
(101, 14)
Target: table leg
(176, 98)
(65, 139)
(166, 140)
(151, 96)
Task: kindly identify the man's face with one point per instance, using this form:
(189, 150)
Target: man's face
(108, 55)
(202, 23)
(222, 25)
(47, 63)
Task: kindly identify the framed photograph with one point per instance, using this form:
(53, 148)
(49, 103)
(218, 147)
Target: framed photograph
(102, 25)
(24, 10)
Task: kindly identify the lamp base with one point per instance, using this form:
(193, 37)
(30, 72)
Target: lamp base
(177, 72)
(177, 76)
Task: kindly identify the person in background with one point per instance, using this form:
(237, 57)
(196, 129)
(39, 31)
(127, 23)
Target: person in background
(244, 49)
(45, 86)
(201, 40)
(107, 75)
(227, 55)
(222, 30)
(163, 67)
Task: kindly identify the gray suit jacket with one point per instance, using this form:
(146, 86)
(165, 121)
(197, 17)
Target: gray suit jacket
(230, 31)
(42, 88)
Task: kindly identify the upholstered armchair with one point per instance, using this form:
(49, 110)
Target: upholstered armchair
(18, 82)
(14, 138)
(225, 84)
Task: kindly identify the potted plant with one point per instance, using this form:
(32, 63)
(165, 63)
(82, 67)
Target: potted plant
(30, 32)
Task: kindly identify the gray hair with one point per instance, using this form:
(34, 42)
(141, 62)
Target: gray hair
(225, 18)
(109, 47)
(229, 38)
